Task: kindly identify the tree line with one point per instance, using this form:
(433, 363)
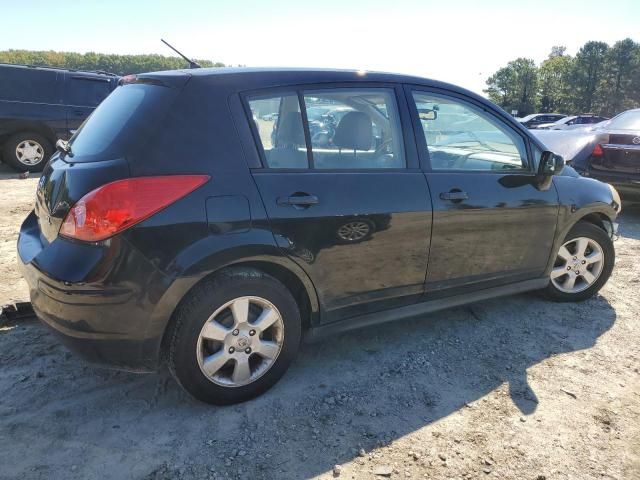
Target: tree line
(599, 79)
(118, 64)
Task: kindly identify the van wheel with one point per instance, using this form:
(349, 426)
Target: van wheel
(583, 264)
(234, 337)
(27, 151)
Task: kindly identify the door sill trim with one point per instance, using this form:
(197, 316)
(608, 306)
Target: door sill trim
(323, 331)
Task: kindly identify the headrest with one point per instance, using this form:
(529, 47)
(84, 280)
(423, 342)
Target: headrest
(355, 132)
(290, 131)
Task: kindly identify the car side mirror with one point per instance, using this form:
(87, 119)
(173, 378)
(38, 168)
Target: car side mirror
(550, 164)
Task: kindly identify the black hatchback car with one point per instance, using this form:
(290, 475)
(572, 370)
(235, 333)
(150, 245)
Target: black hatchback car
(186, 223)
(39, 105)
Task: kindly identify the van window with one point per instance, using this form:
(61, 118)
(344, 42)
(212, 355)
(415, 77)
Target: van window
(278, 120)
(86, 92)
(34, 85)
(354, 128)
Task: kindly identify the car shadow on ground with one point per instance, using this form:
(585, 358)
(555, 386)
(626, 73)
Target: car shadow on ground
(357, 390)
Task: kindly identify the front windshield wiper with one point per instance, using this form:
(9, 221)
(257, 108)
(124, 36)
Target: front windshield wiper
(63, 147)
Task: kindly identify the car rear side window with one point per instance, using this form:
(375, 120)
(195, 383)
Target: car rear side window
(278, 121)
(462, 137)
(354, 129)
(123, 121)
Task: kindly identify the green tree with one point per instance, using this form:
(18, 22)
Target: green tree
(118, 64)
(599, 79)
(587, 75)
(621, 83)
(554, 82)
(514, 87)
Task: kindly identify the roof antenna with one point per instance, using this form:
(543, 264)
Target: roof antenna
(192, 63)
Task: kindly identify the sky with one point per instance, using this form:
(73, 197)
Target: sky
(460, 41)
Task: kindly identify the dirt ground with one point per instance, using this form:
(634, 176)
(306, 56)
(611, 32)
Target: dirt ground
(514, 388)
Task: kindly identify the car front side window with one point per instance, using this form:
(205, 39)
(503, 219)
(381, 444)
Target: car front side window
(460, 136)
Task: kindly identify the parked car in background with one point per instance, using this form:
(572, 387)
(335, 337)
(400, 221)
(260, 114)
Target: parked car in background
(532, 121)
(39, 105)
(572, 122)
(610, 151)
(173, 228)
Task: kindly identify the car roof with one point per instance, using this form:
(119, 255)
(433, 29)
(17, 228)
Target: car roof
(247, 78)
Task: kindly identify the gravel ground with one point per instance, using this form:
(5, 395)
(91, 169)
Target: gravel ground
(515, 388)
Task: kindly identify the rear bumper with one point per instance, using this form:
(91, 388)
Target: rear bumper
(80, 292)
(628, 186)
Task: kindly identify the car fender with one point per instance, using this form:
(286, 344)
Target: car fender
(581, 198)
(204, 267)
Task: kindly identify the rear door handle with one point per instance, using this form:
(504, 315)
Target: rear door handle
(297, 200)
(454, 195)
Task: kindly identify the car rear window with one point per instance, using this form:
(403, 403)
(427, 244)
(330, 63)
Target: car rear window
(124, 121)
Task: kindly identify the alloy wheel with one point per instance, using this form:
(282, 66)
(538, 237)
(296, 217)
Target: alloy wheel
(29, 152)
(354, 231)
(240, 342)
(578, 265)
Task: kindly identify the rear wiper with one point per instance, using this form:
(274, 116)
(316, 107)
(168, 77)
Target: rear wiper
(64, 147)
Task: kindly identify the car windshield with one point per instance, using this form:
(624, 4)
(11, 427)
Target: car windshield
(629, 120)
(528, 117)
(564, 120)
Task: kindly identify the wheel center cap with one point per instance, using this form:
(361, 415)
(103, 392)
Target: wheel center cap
(243, 342)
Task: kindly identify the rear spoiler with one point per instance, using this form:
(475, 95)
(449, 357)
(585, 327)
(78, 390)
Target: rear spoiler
(171, 79)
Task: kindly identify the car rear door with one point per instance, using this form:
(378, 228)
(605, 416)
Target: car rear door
(492, 224)
(344, 193)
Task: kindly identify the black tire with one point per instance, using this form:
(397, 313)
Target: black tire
(200, 304)
(588, 230)
(10, 157)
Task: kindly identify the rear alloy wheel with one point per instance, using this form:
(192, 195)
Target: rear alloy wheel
(234, 336)
(583, 264)
(240, 341)
(27, 151)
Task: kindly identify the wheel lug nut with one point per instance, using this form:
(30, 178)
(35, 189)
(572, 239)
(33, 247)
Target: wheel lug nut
(236, 332)
(231, 349)
(584, 261)
(252, 332)
(568, 268)
(248, 350)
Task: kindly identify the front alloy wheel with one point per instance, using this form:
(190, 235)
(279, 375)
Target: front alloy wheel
(578, 265)
(583, 264)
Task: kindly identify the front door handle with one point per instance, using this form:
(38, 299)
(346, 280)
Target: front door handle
(454, 195)
(299, 200)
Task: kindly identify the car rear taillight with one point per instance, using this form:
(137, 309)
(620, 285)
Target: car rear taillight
(597, 151)
(116, 206)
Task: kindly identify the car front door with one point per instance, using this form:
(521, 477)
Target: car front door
(344, 193)
(492, 223)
